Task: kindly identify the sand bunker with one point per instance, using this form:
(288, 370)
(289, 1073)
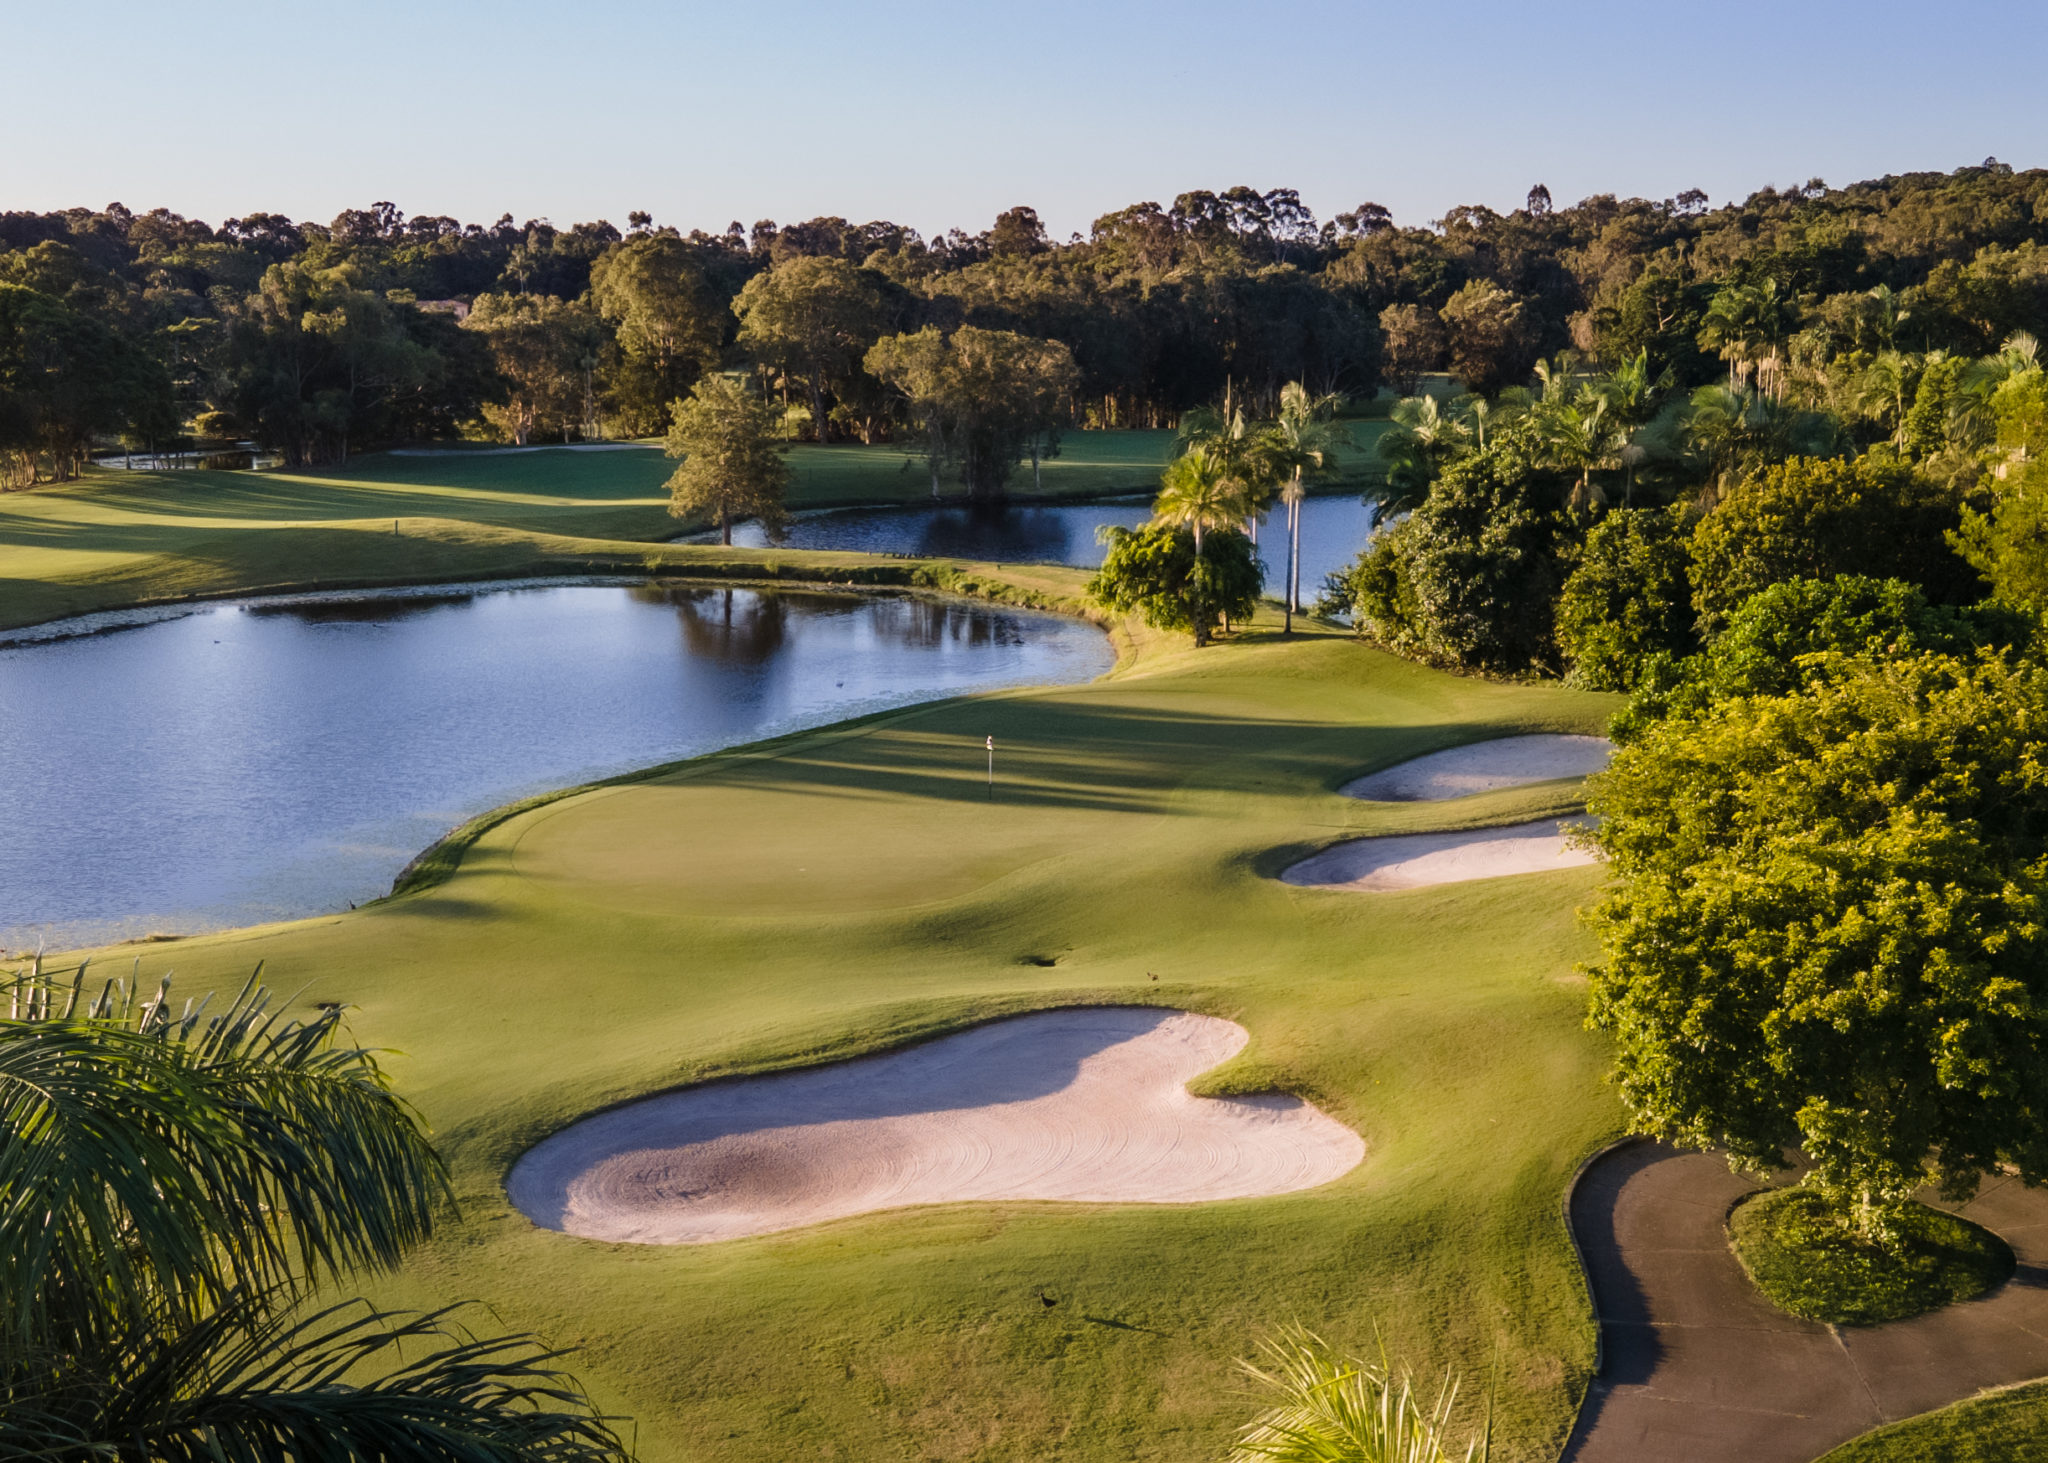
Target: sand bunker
(1483, 767)
(1087, 1105)
(1413, 860)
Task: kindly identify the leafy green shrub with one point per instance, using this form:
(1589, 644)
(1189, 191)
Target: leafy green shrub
(1817, 518)
(1155, 571)
(1629, 599)
(1769, 647)
(1826, 895)
(1470, 578)
(1809, 1259)
(1378, 594)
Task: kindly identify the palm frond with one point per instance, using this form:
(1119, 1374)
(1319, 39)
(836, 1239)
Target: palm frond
(1332, 1409)
(153, 1157)
(338, 1386)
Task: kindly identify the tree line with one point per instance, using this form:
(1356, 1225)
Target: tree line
(315, 341)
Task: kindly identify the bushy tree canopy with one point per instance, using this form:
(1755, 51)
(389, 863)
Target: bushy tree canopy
(1629, 599)
(1828, 924)
(1157, 572)
(733, 467)
(1815, 518)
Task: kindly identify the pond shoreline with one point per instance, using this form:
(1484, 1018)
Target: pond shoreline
(320, 843)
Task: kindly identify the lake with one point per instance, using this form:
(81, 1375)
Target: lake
(224, 764)
(1333, 530)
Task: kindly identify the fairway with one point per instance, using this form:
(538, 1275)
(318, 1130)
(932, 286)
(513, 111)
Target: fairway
(122, 538)
(848, 890)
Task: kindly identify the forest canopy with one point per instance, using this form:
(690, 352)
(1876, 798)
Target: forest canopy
(315, 340)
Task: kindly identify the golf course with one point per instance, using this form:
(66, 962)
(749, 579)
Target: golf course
(847, 891)
(1285, 848)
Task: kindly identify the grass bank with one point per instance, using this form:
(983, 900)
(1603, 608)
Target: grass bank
(119, 539)
(2000, 1427)
(847, 889)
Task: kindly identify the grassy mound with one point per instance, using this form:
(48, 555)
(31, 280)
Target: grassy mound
(1994, 1428)
(1809, 1263)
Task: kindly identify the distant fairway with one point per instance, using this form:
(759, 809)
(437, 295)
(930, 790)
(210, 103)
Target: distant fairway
(848, 889)
(120, 538)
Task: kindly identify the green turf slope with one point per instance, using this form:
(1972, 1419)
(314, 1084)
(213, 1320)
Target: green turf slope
(1999, 1427)
(847, 889)
(119, 538)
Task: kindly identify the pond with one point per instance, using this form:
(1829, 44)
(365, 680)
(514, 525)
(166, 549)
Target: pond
(1333, 530)
(225, 764)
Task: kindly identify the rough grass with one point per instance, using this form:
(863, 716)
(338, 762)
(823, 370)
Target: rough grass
(847, 889)
(1999, 1427)
(119, 538)
(1805, 1258)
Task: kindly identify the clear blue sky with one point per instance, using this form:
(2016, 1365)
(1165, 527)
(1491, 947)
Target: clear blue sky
(942, 112)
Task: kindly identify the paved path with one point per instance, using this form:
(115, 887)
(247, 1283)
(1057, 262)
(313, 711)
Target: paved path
(1697, 1367)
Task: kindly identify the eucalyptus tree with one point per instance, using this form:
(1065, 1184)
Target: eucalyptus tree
(732, 467)
(653, 292)
(176, 1184)
(982, 399)
(811, 317)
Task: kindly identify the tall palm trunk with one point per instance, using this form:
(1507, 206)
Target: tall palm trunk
(1293, 561)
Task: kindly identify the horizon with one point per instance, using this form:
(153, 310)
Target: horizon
(693, 116)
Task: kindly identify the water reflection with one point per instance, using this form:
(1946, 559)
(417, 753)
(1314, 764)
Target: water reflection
(250, 762)
(735, 626)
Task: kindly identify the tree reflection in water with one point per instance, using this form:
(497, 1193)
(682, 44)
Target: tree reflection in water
(731, 626)
(747, 627)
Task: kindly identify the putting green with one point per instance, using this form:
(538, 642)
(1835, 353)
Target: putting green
(844, 891)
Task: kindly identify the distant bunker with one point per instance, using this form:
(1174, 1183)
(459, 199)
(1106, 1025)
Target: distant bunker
(1482, 767)
(1088, 1105)
(1418, 860)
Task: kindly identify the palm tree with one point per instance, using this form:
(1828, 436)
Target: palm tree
(1330, 1409)
(1884, 388)
(174, 1183)
(1422, 439)
(1198, 492)
(1303, 439)
(1579, 436)
(1241, 446)
(1746, 323)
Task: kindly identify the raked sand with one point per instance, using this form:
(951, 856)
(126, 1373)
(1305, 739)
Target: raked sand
(1088, 1105)
(1413, 860)
(1483, 767)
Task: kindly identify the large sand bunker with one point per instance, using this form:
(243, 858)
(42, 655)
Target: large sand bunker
(1087, 1105)
(1413, 860)
(1483, 767)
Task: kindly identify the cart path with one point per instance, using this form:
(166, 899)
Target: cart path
(1697, 1367)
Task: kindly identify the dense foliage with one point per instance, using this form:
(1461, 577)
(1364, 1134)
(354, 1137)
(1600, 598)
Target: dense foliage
(1809, 518)
(1828, 924)
(1629, 599)
(1867, 306)
(1161, 572)
(1800, 630)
